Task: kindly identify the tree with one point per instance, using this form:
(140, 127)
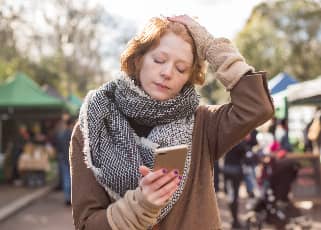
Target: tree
(212, 92)
(9, 55)
(284, 36)
(73, 40)
(60, 42)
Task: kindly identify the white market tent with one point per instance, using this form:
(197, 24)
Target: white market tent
(307, 92)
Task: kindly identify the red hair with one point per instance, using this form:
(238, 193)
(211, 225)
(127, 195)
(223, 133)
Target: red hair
(149, 38)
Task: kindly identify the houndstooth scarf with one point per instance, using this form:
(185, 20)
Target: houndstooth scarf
(114, 151)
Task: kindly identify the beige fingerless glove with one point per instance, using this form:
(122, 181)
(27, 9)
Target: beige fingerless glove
(132, 211)
(223, 57)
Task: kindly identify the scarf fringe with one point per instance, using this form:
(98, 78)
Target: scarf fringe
(131, 85)
(146, 142)
(85, 131)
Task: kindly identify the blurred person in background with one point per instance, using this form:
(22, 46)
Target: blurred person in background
(37, 135)
(216, 176)
(233, 176)
(249, 164)
(307, 141)
(314, 132)
(23, 136)
(153, 103)
(62, 142)
(281, 135)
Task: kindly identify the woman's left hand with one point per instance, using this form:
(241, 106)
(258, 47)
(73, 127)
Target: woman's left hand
(201, 36)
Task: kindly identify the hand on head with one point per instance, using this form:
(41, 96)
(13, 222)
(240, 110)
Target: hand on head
(158, 186)
(199, 33)
(184, 19)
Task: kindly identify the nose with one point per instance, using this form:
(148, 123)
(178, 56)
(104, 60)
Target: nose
(167, 71)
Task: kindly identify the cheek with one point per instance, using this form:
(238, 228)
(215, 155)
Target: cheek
(145, 68)
(183, 81)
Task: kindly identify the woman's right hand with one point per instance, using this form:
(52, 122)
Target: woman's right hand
(158, 187)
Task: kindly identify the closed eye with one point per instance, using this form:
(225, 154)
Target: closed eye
(181, 70)
(159, 61)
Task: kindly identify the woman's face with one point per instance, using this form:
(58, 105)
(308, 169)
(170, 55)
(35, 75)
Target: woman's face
(166, 68)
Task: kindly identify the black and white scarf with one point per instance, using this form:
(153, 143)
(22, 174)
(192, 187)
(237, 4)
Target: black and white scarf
(114, 151)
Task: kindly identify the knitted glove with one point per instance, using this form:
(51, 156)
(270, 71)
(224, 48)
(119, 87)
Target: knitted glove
(202, 38)
(223, 57)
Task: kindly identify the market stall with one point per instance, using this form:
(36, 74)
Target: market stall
(305, 93)
(24, 103)
(22, 99)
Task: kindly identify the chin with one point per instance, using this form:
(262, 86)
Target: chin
(160, 97)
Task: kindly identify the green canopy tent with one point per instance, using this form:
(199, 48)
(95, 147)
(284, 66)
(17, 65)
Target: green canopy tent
(73, 99)
(21, 98)
(72, 104)
(75, 102)
(22, 92)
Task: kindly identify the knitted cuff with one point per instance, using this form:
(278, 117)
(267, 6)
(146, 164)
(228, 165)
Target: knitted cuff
(110, 219)
(230, 77)
(132, 211)
(145, 204)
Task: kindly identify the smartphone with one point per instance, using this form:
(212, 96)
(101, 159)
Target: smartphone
(172, 157)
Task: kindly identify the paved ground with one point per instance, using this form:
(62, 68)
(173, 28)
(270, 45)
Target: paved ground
(9, 194)
(312, 213)
(49, 213)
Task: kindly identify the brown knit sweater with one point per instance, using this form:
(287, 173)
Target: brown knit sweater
(216, 130)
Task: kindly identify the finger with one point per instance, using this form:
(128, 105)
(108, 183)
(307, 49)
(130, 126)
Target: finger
(152, 176)
(144, 170)
(162, 181)
(163, 200)
(166, 192)
(169, 188)
(179, 19)
(184, 19)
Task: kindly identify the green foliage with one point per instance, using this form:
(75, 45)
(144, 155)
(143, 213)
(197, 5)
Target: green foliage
(284, 36)
(38, 72)
(213, 92)
(67, 56)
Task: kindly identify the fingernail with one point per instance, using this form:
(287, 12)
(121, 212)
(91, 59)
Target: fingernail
(176, 171)
(180, 177)
(164, 171)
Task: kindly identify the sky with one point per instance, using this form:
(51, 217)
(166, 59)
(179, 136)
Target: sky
(223, 18)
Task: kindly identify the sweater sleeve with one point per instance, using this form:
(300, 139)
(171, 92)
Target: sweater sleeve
(250, 106)
(89, 200)
(93, 209)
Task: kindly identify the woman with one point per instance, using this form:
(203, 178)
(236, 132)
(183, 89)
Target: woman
(154, 104)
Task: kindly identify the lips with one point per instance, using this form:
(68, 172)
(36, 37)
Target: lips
(161, 86)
